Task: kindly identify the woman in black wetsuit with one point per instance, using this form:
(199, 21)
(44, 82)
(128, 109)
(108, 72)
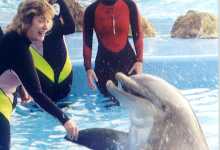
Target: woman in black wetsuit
(32, 21)
(51, 57)
(111, 19)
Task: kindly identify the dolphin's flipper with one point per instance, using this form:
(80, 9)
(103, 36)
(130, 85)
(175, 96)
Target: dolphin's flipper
(101, 139)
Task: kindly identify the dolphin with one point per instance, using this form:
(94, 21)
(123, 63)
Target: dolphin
(161, 118)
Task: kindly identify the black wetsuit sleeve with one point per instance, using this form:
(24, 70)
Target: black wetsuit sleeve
(1, 33)
(68, 25)
(137, 32)
(23, 65)
(88, 25)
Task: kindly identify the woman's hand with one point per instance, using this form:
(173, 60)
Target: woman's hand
(25, 97)
(137, 67)
(71, 129)
(91, 77)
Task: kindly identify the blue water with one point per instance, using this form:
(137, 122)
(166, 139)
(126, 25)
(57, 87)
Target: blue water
(189, 64)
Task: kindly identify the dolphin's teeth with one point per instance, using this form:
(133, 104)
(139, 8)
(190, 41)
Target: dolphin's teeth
(127, 84)
(120, 85)
(109, 83)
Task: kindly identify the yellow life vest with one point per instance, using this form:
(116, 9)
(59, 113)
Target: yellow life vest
(5, 105)
(42, 65)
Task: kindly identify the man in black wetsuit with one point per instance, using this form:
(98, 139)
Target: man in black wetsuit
(111, 19)
(32, 21)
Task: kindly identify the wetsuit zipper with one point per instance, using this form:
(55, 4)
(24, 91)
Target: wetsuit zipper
(113, 24)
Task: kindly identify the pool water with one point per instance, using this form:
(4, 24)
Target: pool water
(38, 131)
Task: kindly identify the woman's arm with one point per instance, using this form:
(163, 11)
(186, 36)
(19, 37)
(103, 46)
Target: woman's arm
(23, 65)
(65, 22)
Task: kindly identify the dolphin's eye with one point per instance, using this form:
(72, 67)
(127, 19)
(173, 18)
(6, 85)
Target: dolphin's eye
(164, 107)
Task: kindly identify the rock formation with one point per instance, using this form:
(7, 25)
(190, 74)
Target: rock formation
(195, 25)
(77, 12)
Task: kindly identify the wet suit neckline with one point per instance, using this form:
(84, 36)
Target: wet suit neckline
(108, 2)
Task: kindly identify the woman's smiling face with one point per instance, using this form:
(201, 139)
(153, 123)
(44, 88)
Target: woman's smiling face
(39, 27)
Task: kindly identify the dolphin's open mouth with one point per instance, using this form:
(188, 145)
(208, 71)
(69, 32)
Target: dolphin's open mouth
(141, 109)
(128, 86)
(133, 90)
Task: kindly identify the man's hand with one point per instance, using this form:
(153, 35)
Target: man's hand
(91, 77)
(137, 67)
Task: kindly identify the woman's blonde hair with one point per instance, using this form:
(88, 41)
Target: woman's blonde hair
(27, 10)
